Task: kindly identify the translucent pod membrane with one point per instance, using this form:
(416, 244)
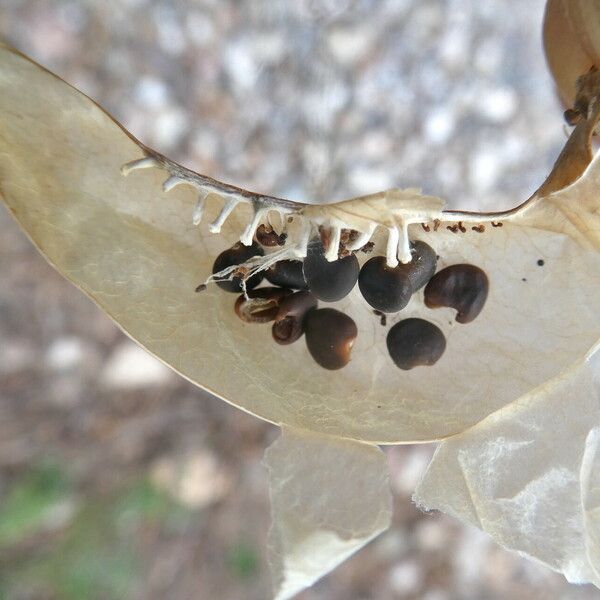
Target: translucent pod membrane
(134, 250)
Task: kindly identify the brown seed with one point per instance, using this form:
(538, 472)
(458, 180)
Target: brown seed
(330, 336)
(287, 273)
(329, 281)
(415, 342)
(289, 321)
(261, 306)
(237, 255)
(462, 287)
(269, 238)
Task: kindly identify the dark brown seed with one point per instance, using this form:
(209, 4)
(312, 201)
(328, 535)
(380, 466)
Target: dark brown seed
(462, 287)
(261, 306)
(415, 342)
(387, 289)
(269, 238)
(422, 266)
(330, 335)
(287, 273)
(329, 281)
(289, 321)
(237, 255)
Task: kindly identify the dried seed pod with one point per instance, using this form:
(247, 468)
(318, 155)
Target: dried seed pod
(387, 289)
(415, 342)
(462, 287)
(237, 255)
(329, 281)
(289, 321)
(571, 43)
(422, 266)
(330, 335)
(287, 273)
(261, 306)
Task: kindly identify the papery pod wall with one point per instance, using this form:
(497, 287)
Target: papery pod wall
(131, 246)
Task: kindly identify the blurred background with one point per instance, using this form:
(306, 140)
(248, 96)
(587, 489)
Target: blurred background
(119, 480)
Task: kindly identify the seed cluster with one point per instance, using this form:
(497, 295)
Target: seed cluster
(291, 304)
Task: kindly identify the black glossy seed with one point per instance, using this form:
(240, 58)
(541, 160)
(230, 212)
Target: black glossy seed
(237, 255)
(262, 305)
(415, 342)
(541, 262)
(462, 287)
(422, 266)
(330, 335)
(287, 273)
(289, 321)
(387, 289)
(329, 281)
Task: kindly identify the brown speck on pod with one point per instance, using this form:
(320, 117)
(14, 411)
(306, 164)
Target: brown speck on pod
(478, 228)
(261, 306)
(289, 321)
(382, 317)
(266, 236)
(414, 343)
(237, 255)
(330, 336)
(496, 224)
(436, 224)
(325, 235)
(425, 227)
(572, 116)
(462, 287)
(368, 247)
(461, 227)
(453, 228)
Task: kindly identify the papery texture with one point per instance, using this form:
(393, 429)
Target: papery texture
(329, 497)
(133, 249)
(528, 474)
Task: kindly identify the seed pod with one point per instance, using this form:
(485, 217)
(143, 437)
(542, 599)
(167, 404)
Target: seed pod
(387, 289)
(422, 266)
(287, 273)
(415, 342)
(289, 321)
(329, 281)
(462, 287)
(330, 335)
(237, 255)
(261, 306)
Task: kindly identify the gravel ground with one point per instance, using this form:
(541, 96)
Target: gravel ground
(118, 479)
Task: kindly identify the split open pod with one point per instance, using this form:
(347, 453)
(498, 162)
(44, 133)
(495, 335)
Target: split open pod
(134, 249)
